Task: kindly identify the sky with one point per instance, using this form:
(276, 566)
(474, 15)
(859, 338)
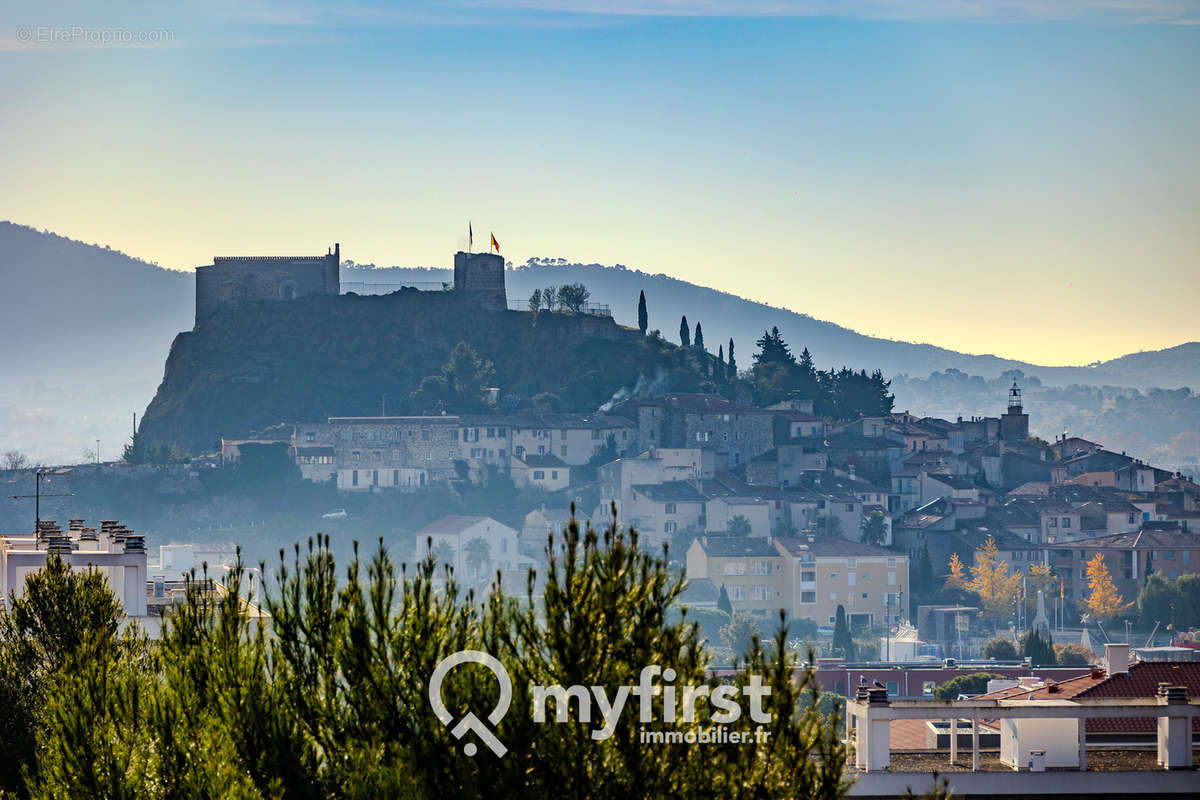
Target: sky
(1019, 177)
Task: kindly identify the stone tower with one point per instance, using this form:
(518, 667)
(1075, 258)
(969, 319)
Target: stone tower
(479, 278)
(1014, 423)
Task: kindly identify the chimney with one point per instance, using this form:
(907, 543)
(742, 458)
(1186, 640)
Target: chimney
(1116, 658)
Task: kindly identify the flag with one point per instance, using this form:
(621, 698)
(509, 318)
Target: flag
(495, 244)
(470, 236)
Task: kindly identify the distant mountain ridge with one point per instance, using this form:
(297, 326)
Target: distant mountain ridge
(725, 315)
(89, 328)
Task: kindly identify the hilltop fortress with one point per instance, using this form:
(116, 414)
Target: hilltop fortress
(230, 282)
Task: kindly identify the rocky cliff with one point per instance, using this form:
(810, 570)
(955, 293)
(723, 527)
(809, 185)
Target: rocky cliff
(322, 356)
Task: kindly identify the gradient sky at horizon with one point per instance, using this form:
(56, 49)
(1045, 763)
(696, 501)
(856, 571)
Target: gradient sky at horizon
(1019, 177)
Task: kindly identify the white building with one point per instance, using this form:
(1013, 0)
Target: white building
(476, 547)
(114, 551)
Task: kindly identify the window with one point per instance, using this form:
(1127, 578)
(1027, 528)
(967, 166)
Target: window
(563, 450)
(668, 508)
(1053, 522)
(891, 562)
(865, 595)
(833, 596)
(395, 477)
(808, 597)
(762, 592)
(1066, 522)
(376, 455)
(595, 434)
(310, 437)
(891, 579)
(735, 567)
(893, 688)
(833, 576)
(808, 576)
(849, 506)
(429, 454)
(539, 474)
(354, 478)
(927, 688)
(1168, 555)
(374, 477)
(851, 578)
(851, 563)
(553, 474)
(541, 449)
(425, 433)
(737, 592)
(491, 433)
(670, 527)
(761, 568)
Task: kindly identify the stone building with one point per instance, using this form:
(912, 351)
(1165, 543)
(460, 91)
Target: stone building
(736, 433)
(229, 282)
(373, 453)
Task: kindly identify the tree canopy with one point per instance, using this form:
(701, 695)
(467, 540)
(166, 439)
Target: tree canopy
(334, 700)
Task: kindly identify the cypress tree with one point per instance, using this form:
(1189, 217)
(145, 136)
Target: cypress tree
(732, 361)
(723, 602)
(699, 337)
(685, 333)
(842, 640)
(643, 316)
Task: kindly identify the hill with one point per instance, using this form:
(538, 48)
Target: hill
(325, 356)
(88, 329)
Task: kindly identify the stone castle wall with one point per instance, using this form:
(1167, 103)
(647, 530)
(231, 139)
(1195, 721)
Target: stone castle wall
(230, 282)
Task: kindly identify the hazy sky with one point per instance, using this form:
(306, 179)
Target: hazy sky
(1016, 177)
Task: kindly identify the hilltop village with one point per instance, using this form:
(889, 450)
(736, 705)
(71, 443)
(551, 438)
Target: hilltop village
(778, 504)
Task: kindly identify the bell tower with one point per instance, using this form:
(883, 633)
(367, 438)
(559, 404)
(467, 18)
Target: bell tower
(1014, 423)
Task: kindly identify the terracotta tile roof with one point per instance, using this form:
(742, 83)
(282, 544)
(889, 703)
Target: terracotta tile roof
(1141, 681)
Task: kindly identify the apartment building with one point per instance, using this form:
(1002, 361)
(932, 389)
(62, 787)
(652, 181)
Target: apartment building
(825, 572)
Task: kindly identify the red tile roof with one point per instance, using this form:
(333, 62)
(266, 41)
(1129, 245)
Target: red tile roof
(1141, 681)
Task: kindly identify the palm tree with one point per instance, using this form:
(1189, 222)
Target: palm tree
(444, 553)
(478, 553)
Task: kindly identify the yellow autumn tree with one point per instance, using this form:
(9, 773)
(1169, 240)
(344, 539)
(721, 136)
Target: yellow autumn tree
(992, 581)
(957, 579)
(1103, 601)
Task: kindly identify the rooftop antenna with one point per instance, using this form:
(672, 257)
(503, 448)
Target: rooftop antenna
(38, 495)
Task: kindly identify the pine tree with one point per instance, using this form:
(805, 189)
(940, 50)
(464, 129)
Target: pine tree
(1103, 601)
(685, 333)
(699, 340)
(772, 349)
(643, 315)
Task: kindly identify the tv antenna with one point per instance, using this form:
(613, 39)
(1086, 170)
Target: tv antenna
(39, 494)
